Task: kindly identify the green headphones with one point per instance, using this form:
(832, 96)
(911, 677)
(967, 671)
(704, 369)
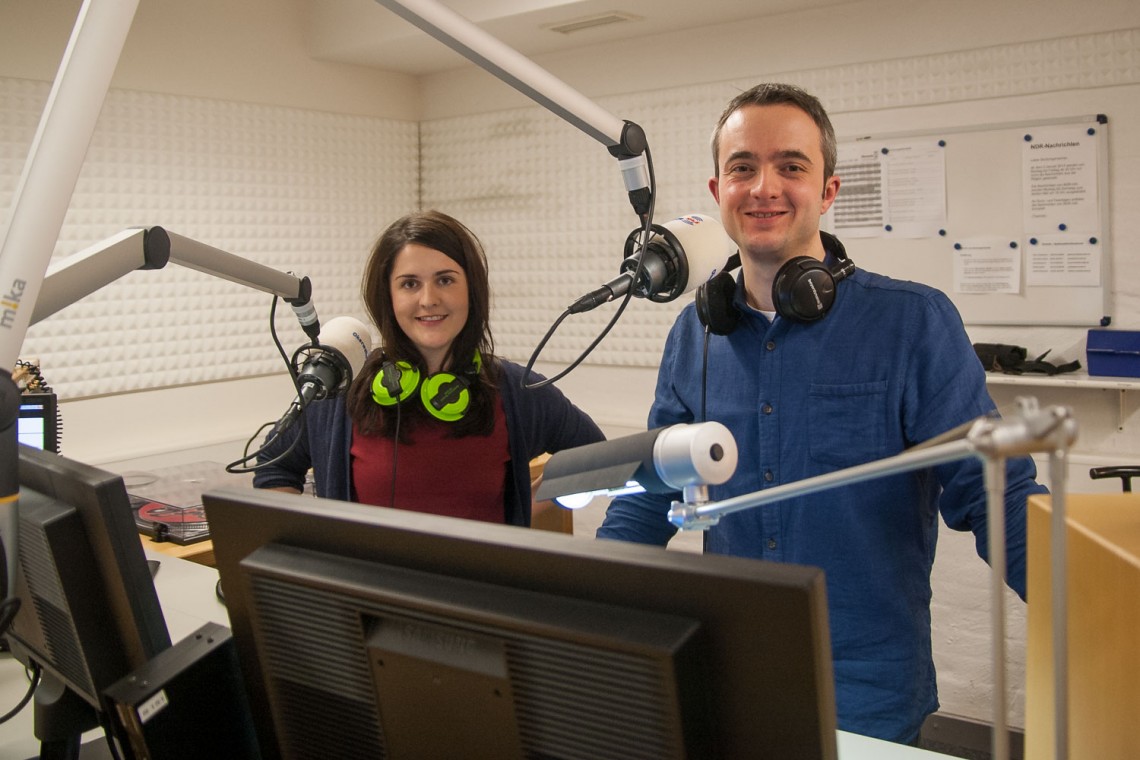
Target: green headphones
(445, 396)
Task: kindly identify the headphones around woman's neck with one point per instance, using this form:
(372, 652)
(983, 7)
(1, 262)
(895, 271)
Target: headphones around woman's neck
(445, 396)
(803, 289)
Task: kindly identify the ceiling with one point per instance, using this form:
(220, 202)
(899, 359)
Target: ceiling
(364, 32)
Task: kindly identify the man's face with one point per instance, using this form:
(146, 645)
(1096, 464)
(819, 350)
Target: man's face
(770, 187)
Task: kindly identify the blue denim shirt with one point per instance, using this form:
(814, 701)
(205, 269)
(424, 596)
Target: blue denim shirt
(889, 367)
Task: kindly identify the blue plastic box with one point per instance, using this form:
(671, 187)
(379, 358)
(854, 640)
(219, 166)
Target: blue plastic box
(1115, 353)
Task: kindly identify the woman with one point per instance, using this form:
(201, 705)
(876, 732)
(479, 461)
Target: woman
(434, 422)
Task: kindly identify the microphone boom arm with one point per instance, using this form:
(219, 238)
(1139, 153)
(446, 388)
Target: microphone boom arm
(81, 274)
(625, 140)
(992, 440)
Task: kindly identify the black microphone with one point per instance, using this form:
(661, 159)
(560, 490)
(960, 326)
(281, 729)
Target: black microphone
(680, 255)
(304, 309)
(330, 365)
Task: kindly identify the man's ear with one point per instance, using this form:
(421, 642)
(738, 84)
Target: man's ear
(714, 188)
(830, 190)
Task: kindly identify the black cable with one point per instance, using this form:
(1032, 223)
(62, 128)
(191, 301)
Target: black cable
(109, 734)
(35, 681)
(646, 233)
(252, 438)
(8, 609)
(29, 379)
(705, 377)
(395, 453)
(238, 467)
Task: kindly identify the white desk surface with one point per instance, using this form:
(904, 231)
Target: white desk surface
(186, 592)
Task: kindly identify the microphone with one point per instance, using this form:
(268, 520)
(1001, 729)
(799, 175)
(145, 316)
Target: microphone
(329, 366)
(681, 254)
(304, 309)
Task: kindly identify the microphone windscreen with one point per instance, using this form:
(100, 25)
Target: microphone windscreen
(351, 337)
(705, 244)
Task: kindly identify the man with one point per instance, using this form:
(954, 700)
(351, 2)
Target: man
(888, 366)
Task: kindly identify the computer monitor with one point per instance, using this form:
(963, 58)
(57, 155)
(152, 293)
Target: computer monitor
(370, 632)
(38, 422)
(89, 613)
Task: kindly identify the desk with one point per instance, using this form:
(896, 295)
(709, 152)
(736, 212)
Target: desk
(186, 592)
(182, 486)
(1103, 575)
(545, 515)
(200, 552)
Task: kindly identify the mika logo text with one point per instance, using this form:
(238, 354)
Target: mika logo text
(10, 302)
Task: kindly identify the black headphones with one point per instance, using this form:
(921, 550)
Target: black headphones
(445, 396)
(803, 289)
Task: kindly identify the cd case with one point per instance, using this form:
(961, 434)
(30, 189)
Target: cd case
(167, 502)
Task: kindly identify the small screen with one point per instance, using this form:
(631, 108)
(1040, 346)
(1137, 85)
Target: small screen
(37, 426)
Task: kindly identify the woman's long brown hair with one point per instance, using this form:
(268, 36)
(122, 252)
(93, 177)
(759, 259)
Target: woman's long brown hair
(442, 233)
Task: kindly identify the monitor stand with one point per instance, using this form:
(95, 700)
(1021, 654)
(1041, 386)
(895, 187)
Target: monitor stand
(61, 718)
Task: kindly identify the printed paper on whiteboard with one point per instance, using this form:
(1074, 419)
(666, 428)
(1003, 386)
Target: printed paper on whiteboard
(987, 265)
(1059, 182)
(895, 189)
(1062, 261)
(916, 188)
(858, 210)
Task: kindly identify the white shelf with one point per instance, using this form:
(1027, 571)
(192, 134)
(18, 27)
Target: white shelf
(1076, 380)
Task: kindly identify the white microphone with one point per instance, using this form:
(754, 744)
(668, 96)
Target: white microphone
(681, 255)
(330, 366)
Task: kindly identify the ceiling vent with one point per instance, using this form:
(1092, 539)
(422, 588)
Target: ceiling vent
(590, 22)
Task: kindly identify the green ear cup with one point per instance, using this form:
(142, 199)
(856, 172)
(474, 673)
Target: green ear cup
(394, 382)
(445, 396)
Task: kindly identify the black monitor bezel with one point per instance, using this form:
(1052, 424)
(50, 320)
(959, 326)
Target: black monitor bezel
(778, 657)
(119, 581)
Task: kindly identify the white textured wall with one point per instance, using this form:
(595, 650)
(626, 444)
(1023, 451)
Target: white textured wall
(295, 190)
(218, 127)
(549, 202)
(253, 52)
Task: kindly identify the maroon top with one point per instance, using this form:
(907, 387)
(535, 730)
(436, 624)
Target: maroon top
(459, 477)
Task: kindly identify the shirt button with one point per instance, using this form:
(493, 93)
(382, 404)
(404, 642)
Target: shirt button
(767, 409)
(770, 345)
(771, 543)
(768, 476)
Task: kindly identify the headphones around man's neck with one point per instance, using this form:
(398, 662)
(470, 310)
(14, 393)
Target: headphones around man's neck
(445, 396)
(803, 289)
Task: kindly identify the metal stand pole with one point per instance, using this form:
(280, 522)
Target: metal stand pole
(1058, 476)
(995, 525)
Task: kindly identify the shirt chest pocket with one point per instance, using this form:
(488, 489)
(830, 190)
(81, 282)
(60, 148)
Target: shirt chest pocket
(848, 423)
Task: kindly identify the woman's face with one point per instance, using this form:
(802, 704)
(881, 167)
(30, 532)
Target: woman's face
(429, 299)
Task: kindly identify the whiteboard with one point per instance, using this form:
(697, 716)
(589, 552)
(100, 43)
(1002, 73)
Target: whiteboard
(985, 198)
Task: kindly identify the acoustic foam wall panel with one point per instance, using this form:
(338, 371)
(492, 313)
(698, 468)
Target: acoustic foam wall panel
(295, 190)
(309, 191)
(549, 205)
